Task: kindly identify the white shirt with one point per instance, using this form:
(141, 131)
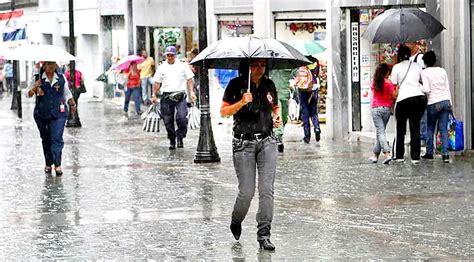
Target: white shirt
(435, 84)
(173, 77)
(67, 92)
(419, 60)
(411, 86)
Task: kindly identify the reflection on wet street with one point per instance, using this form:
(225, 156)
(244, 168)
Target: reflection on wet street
(125, 196)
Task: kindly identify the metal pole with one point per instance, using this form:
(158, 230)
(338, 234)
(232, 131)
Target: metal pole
(130, 26)
(206, 151)
(73, 118)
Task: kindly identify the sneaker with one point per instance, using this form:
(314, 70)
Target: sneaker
(415, 161)
(373, 159)
(399, 160)
(306, 140)
(427, 156)
(387, 160)
(172, 144)
(318, 135)
(445, 158)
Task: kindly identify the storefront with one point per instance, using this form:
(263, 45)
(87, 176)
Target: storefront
(353, 60)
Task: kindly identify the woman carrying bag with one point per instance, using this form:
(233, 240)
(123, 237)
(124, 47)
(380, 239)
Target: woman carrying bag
(436, 86)
(410, 104)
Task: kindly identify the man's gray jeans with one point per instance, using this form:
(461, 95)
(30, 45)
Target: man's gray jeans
(248, 157)
(380, 116)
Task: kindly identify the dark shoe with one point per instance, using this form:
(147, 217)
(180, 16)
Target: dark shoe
(281, 148)
(48, 170)
(180, 143)
(59, 172)
(172, 144)
(318, 135)
(306, 140)
(236, 229)
(427, 156)
(138, 113)
(266, 244)
(446, 159)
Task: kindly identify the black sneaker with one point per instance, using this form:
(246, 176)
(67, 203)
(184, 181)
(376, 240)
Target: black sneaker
(180, 143)
(318, 135)
(445, 158)
(266, 244)
(236, 229)
(427, 156)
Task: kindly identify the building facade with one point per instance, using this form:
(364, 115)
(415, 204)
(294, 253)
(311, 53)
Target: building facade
(353, 59)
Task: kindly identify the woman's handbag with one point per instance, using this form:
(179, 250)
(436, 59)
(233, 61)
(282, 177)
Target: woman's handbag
(82, 87)
(455, 135)
(194, 118)
(152, 119)
(293, 107)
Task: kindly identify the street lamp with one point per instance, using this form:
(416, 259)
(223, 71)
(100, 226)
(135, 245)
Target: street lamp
(206, 151)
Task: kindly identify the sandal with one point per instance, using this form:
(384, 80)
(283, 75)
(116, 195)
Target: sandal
(48, 169)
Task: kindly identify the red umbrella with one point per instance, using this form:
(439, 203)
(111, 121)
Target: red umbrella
(125, 62)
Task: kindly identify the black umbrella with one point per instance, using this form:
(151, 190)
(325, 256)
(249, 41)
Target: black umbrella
(403, 25)
(229, 52)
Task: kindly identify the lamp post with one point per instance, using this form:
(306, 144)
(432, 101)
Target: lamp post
(206, 151)
(73, 118)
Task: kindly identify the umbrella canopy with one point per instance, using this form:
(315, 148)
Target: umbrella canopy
(307, 47)
(50, 53)
(229, 52)
(124, 63)
(403, 26)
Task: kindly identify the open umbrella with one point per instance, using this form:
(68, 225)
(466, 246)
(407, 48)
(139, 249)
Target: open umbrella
(37, 53)
(402, 25)
(307, 47)
(229, 52)
(125, 62)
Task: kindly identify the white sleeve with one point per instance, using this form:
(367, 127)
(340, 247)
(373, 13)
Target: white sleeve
(188, 73)
(394, 75)
(67, 91)
(157, 77)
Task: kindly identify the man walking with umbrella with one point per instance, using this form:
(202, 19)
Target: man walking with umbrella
(256, 113)
(172, 78)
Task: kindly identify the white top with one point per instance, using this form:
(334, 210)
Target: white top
(173, 77)
(411, 86)
(67, 92)
(419, 60)
(435, 84)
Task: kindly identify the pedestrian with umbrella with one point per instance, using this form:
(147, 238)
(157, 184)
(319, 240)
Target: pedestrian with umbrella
(133, 88)
(252, 100)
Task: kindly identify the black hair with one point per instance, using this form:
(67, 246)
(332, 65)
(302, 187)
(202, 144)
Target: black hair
(404, 53)
(195, 51)
(379, 76)
(429, 58)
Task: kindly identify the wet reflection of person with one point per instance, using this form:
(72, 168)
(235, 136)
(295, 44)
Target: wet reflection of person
(256, 113)
(54, 228)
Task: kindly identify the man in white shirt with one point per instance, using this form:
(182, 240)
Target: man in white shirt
(172, 78)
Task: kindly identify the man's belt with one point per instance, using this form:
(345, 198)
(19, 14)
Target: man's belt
(252, 136)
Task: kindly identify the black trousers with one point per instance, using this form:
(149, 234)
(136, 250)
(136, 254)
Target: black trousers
(410, 109)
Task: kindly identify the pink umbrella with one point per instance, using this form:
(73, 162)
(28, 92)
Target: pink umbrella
(125, 62)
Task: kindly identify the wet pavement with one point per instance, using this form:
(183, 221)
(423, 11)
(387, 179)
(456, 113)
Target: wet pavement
(125, 196)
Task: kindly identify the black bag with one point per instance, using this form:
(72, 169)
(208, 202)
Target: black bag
(82, 87)
(176, 96)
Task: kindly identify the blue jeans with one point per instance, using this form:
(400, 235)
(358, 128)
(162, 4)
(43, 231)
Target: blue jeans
(309, 110)
(424, 127)
(171, 108)
(51, 132)
(380, 116)
(135, 92)
(248, 157)
(438, 112)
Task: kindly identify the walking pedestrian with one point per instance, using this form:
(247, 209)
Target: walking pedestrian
(436, 86)
(308, 96)
(133, 88)
(382, 102)
(410, 104)
(2, 77)
(73, 117)
(50, 113)
(416, 56)
(8, 68)
(255, 113)
(147, 69)
(172, 78)
(281, 79)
